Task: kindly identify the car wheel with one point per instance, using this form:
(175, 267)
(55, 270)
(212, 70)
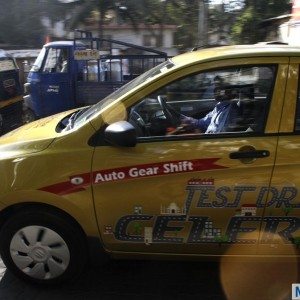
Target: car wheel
(42, 247)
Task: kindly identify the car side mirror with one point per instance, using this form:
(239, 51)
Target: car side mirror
(121, 133)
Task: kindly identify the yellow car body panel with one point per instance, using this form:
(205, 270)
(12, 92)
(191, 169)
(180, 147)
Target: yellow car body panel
(125, 195)
(34, 169)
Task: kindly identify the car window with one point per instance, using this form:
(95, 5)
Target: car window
(227, 100)
(150, 74)
(38, 62)
(56, 61)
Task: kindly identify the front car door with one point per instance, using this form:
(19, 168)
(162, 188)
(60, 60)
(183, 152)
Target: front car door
(191, 192)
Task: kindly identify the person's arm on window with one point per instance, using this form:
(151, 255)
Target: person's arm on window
(201, 124)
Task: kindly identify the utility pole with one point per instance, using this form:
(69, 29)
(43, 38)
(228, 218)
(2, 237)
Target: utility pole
(202, 24)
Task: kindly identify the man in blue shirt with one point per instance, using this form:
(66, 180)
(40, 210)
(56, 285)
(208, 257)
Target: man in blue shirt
(223, 118)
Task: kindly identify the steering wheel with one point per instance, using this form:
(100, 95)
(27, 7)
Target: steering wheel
(173, 117)
(139, 124)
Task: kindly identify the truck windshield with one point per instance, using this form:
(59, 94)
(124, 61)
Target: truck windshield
(161, 68)
(38, 62)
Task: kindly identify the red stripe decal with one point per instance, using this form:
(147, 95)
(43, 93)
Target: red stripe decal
(67, 187)
(80, 182)
(156, 169)
(62, 188)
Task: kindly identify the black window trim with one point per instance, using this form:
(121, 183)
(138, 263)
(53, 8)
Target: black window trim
(200, 136)
(97, 139)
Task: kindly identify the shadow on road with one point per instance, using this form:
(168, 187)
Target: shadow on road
(128, 280)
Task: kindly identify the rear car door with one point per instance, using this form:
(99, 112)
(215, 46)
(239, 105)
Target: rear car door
(193, 193)
(281, 223)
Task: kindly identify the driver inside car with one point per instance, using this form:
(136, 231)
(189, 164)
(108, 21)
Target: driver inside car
(223, 118)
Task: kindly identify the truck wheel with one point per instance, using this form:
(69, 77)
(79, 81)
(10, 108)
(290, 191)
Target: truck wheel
(28, 116)
(42, 247)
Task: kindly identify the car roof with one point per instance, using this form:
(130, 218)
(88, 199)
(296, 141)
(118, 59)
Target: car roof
(238, 51)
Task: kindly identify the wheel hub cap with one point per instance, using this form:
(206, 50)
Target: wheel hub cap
(39, 252)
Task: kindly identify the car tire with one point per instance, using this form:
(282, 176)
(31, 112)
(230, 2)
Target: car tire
(43, 247)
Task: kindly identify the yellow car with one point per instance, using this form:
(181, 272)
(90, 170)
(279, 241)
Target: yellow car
(196, 157)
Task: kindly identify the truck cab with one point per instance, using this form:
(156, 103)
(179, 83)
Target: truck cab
(70, 74)
(50, 83)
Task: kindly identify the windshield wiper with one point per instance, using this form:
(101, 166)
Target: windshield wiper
(74, 117)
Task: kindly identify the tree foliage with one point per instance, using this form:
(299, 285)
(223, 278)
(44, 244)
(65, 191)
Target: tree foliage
(20, 22)
(246, 29)
(185, 15)
(126, 10)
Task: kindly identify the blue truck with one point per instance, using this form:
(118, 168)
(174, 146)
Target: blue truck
(82, 71)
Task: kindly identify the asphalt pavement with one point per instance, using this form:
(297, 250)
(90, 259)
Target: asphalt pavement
(126, 280)
(163, 280)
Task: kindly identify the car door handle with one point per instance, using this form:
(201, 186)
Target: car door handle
(249, 154)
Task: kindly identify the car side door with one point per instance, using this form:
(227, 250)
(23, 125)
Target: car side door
(281, 222)
(192, 193)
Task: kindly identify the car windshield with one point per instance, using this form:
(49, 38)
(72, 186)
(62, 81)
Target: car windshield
(163, 67)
